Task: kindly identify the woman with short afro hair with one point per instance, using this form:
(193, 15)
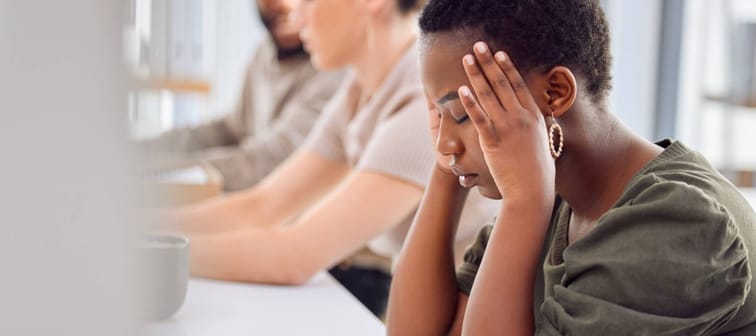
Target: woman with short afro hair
(601, 232)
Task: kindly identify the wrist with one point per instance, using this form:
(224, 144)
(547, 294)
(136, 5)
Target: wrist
(536, 211)
(526, 192)
(447, 181)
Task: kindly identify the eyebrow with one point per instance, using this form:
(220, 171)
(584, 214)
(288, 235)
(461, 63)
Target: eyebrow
(449, 96)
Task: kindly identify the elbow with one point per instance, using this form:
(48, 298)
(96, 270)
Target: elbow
(296, 278)
(296, 261)
(278, 276)
(282, 258)
(294, 270)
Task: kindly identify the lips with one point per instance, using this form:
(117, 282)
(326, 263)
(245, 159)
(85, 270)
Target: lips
(466, 180)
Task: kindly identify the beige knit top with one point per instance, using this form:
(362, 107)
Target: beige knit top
(389, 134)
(279, 104)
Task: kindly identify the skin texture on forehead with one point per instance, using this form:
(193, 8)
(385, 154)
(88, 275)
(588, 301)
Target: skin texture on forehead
(457, 43)
(449, 57)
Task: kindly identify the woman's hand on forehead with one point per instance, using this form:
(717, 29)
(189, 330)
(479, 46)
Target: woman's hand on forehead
(511, 127)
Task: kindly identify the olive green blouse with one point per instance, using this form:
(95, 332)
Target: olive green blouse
(671, 257)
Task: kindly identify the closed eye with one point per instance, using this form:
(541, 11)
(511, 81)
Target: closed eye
(461, 120)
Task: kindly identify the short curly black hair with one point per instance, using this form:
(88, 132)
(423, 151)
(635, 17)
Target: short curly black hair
(535, 33)
(407, 6)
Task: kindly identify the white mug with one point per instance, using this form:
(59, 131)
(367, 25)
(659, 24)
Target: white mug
(164, 261)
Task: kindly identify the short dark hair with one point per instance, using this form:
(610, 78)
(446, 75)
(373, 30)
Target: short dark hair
(535, 33)
(407, 6)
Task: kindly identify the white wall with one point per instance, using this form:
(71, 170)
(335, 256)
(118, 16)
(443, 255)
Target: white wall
(724, 134)
(63, 212)
(635, 33)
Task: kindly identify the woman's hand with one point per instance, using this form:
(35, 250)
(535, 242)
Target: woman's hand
(511, 128)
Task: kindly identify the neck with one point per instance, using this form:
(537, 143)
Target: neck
(599, 163)
(390, 42)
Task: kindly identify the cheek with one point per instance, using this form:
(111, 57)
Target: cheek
(334, 34)
(291, 5)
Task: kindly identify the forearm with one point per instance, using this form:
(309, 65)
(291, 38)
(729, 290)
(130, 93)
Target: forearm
(259, 155)
(339, 225)
(261, 255)
(501, 299)
(424, 293)
(184, 140)
(281, 196)
(230, 212)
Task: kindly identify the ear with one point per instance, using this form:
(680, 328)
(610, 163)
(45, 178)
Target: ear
(375, 7)
(561, 89)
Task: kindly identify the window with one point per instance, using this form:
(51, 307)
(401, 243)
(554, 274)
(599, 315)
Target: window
(187, 63)
(717, 107)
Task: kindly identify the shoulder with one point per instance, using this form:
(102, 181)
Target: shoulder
(680, 187)
(263, 55)
(668, 241)
(402, 90)
(338, 103)
(669, 218)
(671, 254)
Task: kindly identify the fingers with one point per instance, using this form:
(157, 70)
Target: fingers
(502, 78)
(489, 102)
(516, 82)
(475, 112)
(491, 74)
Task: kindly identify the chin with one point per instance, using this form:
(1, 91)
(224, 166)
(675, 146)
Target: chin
(490, 192)
(320, 64)
(323, 61)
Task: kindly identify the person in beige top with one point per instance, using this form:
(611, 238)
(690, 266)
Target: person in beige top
(282, 97)
(358, 178)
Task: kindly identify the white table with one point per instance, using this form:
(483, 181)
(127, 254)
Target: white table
(321, 307)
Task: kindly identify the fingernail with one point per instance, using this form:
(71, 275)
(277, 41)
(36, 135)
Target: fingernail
(480, 47)
(469, 59)
(500, 56)
(465, 91)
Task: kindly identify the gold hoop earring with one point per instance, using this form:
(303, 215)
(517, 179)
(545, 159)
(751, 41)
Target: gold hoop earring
(556, 152)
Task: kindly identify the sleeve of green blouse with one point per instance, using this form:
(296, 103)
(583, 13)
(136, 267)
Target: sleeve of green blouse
(471, 262)
(670, 261)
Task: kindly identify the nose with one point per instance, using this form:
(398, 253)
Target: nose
(447, 143)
